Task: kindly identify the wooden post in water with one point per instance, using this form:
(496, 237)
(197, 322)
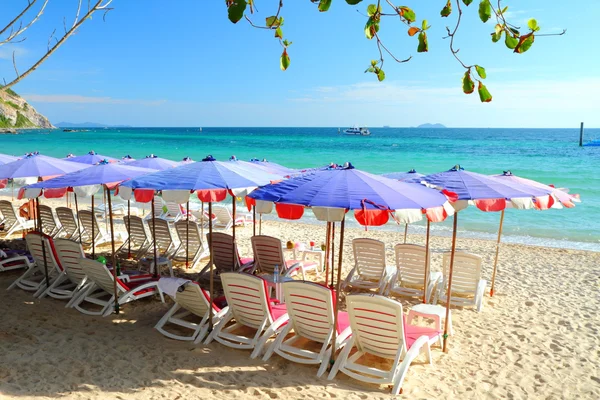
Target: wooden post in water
(581, 135)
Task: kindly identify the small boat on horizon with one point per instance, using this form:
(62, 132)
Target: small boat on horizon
(357, 131)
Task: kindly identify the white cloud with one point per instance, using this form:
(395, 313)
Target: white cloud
(75, 98)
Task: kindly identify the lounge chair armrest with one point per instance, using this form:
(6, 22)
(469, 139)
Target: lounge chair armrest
(343, 337)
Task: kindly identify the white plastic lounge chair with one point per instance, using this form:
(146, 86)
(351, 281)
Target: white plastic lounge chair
(16, 260)
(409, 279)
(138, 237)
(226, 256)
(268, 253)
(50, 225)
(224, 219)
(158, 209)
(173, 213)
(250, 307)
(311, 311)
(370, 270)
(68, 223)
(378, 329)
(193, 300)
(34, 279)
(12, 222)
(85, 219)
(101, 291)
(72, 278)
(197, 248)
(165, 244)
(119, 206)
(467, 286)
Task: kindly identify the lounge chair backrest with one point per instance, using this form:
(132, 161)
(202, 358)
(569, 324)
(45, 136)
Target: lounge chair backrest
(136, 229)
(194, 299)
(225, 258)
(377, 324)
(411, 262)
(173, 209)
(8, 212)
(222, 214)
(85, 217)
(34, 242)
(99, 274)
(466, 272)
(310, 308)
(267, 253)
(162, 236)
(48, 220)
(67, 219)
(158, 206)
(369, 258)
(247, 298)
(69, 253)
(194, 240)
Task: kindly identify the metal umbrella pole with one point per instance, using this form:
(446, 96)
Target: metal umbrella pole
(211, 289)
(405, 232)
(93, 229)
(327, 240)
(154, 235)
(233, 232)
(449, 293)
(331, 253)
(202, 220)
(187, 235)
(425, 278)
(253, 220)
(78, 222)
(337, 291)
(113, 258)
(128, 229)
(497, 252)
(39, 216)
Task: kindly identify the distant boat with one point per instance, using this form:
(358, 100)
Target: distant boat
(200, 129)
(356, 131)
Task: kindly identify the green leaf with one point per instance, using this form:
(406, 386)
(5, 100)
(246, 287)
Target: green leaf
(370, 69)
(485, 10)
(236, 10)
(447, 10)
(279, 33)
(511, 42)
(480, 71)
(423, 46)
(467, 2)
(424, 25)
(284, 62)
(525, 43)
(286, 43)
(380, 75)
(408, 14)
(515, 31)
(505, 9)
(498, 28)
(353, 2)
(533, 25)
(496, 36)
(273, 22)
(324, 5)
(484, 94)
(371, 10)
(374, 62)
(371, 28)
(467, 83)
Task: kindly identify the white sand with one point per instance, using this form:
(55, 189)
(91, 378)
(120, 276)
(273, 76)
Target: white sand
(538, 337)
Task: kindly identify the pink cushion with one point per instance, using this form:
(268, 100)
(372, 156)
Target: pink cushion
(413, 332)
(343, 321)
(277, 311)
(246, 260)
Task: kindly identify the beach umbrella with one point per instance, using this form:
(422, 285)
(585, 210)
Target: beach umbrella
(90, 158)
(486, 193)
(332, 192)
(154, 162)
(186, 160)
(401, 176)
(557, 199)
(87, 182)
(273, 167)
(35, 165)
(5, 158)
(127, 158)
(212, 180)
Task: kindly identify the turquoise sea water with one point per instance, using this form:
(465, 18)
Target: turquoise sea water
(551, 156)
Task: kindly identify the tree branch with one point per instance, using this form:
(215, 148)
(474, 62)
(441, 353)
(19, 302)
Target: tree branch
(15, 34)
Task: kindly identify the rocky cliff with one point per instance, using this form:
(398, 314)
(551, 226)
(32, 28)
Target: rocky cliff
(15, 112)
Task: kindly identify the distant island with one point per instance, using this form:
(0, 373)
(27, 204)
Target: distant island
(431, 126)
(88, 125)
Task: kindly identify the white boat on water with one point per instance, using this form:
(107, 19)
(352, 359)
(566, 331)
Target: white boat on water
(358, 131)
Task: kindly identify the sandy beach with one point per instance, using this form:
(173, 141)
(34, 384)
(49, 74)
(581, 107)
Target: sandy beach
(538, 337)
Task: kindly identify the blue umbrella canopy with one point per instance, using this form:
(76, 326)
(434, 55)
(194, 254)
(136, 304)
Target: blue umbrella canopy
(273, 167)
(90, 158)
(154, 162)
(5, 159)
(37, 165)
(127, 158)
(401, 176)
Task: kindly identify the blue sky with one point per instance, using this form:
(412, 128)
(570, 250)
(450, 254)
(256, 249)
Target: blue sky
(185, 64)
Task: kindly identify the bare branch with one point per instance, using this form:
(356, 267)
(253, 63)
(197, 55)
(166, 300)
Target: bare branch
(15, 63)
(11, 23)
(21, 29)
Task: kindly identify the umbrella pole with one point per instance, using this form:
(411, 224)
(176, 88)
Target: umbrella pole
(77, 219)
(210, 262)
(332, 252)
(154, 235)
(187, 235)
(405, 232)
(260, 224)
(12, 190)
(113, 259)
(337, 291)
(497, 252)
(449, 294)
(425, 278)
(233, 233)
(37, 200)
(93, 233)
(253, 220)
(128, 221)
(327, 240)
(202, 222)
(105, 219)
